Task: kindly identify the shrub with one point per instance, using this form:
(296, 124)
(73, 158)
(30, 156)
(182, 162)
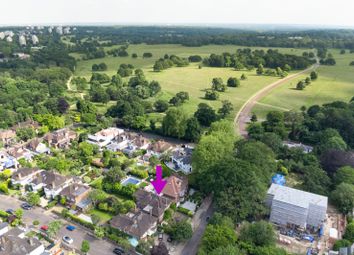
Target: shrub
(3, 214)
(211, 95)
(142, 174)
(78, 220)
(35, 223)
(185, 211)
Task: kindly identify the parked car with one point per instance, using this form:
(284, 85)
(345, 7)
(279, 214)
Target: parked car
(68, 239)
(118, 251)
(44, 227)
(160, 236)
(10, 211)
(26, 206)
(70, 227)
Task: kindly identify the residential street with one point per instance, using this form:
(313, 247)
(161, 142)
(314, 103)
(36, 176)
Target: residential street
(199, 223)
(79, 234)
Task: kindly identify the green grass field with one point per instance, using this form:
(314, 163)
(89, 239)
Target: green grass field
(158, 51)
(190, 78)
(334, 83)
(195, 81)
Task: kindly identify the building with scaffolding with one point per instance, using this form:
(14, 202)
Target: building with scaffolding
(296, 208)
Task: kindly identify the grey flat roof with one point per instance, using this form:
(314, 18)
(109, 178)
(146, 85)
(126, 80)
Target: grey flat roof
(296, 197)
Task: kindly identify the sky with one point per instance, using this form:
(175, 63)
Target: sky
(165, 12)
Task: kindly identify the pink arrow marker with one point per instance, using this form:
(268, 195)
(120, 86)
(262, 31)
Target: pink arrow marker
(159, 183)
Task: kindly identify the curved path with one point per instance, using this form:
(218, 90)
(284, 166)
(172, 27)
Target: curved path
(243, 115)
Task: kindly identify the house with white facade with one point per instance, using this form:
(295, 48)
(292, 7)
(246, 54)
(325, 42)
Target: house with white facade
(181, 159)
(105, 136)
(51, 182)
(7, 161)
(24, 176)
(37, 147)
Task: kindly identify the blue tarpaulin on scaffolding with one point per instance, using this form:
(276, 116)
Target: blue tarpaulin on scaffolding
(279, 179)
(320, 233)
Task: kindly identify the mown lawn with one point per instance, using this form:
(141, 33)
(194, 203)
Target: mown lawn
(190, 78)
(195, 81)
(158, 51)
(105, 217)
(334, 83)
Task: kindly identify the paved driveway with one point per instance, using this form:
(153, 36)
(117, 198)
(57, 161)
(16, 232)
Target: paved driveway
(97, 247)
(199, 223)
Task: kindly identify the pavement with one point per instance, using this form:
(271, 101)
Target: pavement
(97, 246)
(199, 223)
(243, 116)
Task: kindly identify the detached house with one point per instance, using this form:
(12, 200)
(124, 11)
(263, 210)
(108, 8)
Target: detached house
(138, 224)
(7, 136)
(135, 143)
(37, 147)
(104, 137)
(19, 152)
(176, 188)
(15, 242)
(77, 194)
(159, 147)
(7, 161)
(27, 124)
(152, 204)
(51, 182)
(182, 159)
(24, 176)
(61, 138)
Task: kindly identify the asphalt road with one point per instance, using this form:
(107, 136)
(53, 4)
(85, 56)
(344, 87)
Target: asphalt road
(199, 223)
(97, 247)
(243, 116)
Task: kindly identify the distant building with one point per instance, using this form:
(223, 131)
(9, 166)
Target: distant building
(66, 30)
(59, 30)
(27, 124)
(35, 39)
(22, 40)
(303, 147)
(21, 55)
(2, 35)
(9, 39)
(296, 208)
(7, 136)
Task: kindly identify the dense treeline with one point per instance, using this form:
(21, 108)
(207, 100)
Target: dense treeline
(54, 53)
(197, 36)
(328, 169)
(169, 61)
(246, 58)
(36, 92)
